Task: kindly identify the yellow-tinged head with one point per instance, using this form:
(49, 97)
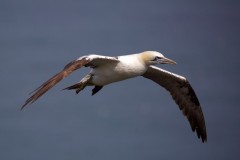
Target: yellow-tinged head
(153, 57)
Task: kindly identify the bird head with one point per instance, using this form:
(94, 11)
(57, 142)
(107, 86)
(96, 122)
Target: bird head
(153, 57)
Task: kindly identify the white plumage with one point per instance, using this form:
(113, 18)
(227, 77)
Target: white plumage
(126, 67)
(106, 70)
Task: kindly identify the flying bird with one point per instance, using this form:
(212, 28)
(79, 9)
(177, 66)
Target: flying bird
(106, 70)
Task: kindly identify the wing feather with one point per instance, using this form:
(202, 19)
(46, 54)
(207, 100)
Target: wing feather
(88, 61)
(183, 94)
(68, 69)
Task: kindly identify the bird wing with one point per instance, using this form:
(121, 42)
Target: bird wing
(97, 60)
(91, 61)
(184, 96)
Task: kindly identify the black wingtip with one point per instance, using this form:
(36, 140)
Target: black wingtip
(202, 136)
(23, 106)
(204, 139)
(21, 109)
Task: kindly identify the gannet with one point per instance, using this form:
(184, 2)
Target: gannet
(106, 70)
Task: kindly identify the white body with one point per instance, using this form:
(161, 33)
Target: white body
(129, 66)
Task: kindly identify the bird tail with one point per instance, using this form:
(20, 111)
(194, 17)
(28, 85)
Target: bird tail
(80, 85)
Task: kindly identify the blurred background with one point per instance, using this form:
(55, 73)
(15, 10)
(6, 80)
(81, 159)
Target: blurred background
(134, 119)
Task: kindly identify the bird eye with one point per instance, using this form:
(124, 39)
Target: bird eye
(156, 58)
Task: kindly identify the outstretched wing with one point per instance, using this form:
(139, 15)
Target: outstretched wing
(91, 61)
(184, 96)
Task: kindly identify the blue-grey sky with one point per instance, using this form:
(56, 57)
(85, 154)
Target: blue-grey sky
(133, 119)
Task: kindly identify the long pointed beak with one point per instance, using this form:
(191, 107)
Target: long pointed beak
(167, 61)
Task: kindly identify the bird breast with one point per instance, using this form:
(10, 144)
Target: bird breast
(128, 67)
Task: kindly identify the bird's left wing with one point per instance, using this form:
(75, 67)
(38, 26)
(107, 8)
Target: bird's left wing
(68, 69)
(184, 96)
(90, 60)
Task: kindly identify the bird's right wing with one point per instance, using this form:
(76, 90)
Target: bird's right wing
(90, 60)
(184, 96)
